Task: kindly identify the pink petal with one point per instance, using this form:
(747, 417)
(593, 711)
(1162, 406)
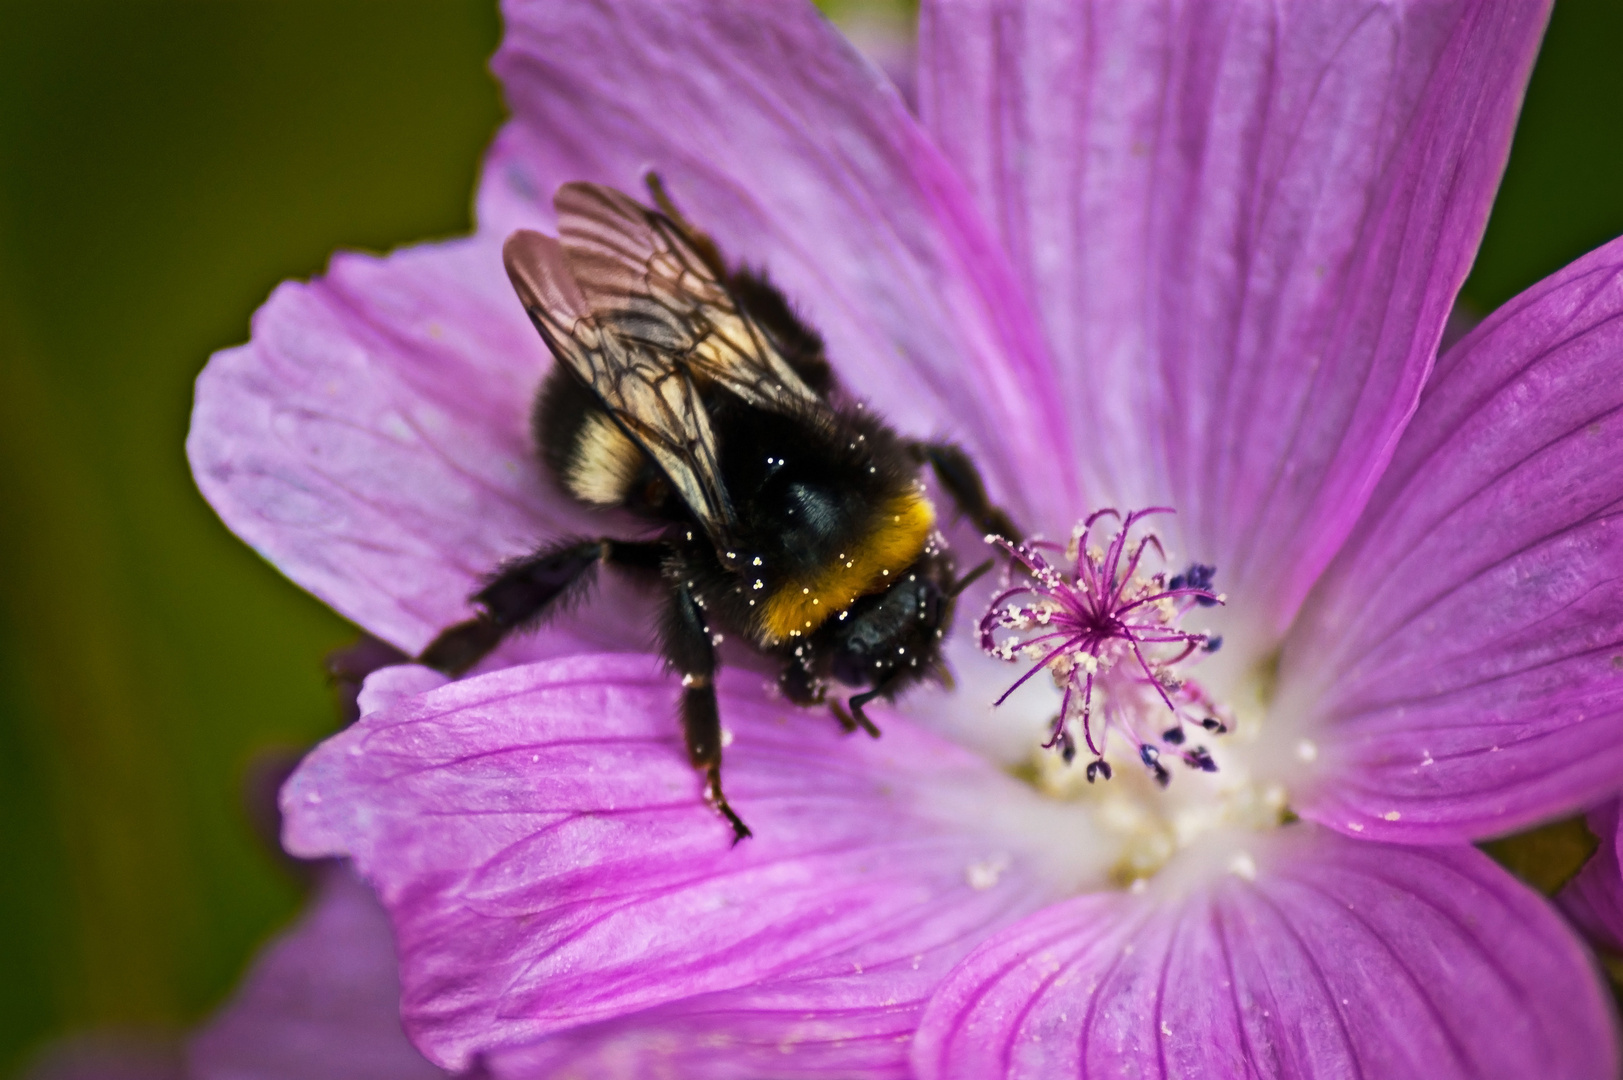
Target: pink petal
(371, 440)
(1244, 225)
(1461, 666)
(322, 1001)
(774, 135)
(539, 840)
(855, 1024)
(388, 687)
(1594, 899)
(1335, 958)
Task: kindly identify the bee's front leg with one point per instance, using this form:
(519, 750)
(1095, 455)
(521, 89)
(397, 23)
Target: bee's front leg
(958, 476)
(855, 717)
(797, 685)
(801, 689)
(689, 651)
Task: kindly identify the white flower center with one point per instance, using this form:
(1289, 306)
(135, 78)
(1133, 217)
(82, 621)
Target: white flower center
(1106, 626)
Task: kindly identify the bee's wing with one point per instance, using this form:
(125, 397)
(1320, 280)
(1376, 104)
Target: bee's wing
(645, 282)
(652, 399)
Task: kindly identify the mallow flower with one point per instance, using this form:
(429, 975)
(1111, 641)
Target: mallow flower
(1593, 899)
(320, 1002)
(1193, 259)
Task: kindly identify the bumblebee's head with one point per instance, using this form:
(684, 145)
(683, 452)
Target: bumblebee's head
(892, 639)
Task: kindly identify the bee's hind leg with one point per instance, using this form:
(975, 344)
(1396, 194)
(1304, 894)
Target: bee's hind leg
(689, 650)
(526, 590)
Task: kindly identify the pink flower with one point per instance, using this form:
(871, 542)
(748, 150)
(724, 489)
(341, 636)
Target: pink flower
(321, 1002)
(1133, 255)
(1593, 899)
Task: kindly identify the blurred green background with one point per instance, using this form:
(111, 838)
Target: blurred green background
(162, 165)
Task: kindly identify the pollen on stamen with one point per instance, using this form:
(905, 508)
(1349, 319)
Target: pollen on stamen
(1104, 623)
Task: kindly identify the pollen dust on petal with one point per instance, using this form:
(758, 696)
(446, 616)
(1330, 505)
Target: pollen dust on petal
(984, 875)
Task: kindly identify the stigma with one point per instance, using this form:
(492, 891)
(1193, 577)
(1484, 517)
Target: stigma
(1102, 617)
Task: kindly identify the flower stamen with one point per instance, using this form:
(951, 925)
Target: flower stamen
(1108, 634)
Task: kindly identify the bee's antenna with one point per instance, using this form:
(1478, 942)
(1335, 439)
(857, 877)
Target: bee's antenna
(970, 578)
(700, 240)
(662, 198)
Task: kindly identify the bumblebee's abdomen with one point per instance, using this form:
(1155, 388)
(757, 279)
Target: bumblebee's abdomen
(894, 539)
(586, 452)
(603, 464)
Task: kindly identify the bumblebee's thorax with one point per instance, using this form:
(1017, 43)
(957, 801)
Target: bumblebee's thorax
(829, 510)
(867, 564)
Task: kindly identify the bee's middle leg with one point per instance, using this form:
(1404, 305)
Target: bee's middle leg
(690, 651)
(526, 590)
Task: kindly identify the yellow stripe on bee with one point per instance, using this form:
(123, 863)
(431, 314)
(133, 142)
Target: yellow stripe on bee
(603, 464)
(897, 537)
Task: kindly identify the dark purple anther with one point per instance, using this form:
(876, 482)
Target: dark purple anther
(1200, 758)
(1198, 577)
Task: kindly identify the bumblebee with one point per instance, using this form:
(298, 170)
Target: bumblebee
(782, 511)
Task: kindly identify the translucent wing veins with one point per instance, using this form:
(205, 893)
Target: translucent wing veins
(639, 274)
(654, 401)
(624, 299)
